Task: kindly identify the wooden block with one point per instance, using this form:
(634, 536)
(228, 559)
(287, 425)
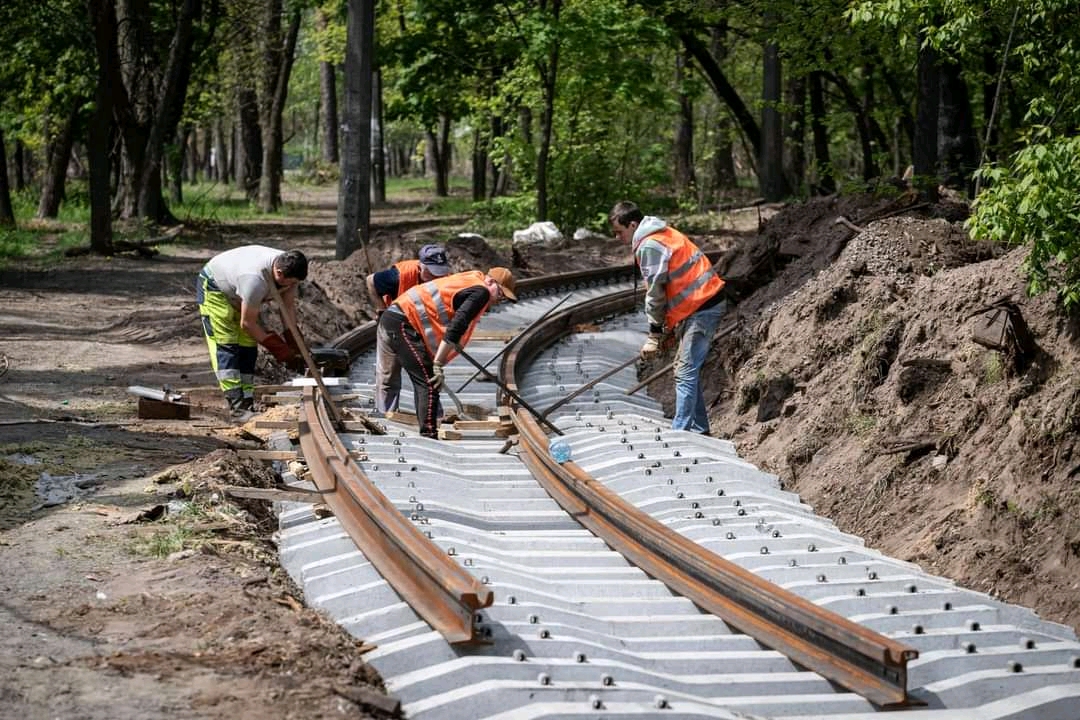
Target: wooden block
(276, 424)
(448, 434)
(163, 410)
(401, 417)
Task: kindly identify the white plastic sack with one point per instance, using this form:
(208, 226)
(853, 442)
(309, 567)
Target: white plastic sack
(541, 233)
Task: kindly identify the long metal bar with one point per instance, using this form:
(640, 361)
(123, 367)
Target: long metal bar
(313, 368)
(502, 386)
(857, 658)
(497, 355)
(436, 587)
(587, 386)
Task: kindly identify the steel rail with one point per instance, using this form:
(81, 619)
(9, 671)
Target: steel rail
(855, 657)
(859, 659)
(436, 587)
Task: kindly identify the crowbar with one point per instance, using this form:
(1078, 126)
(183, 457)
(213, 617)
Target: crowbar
(505, 389)
(530, 326)
(588, 385)
(290, 323)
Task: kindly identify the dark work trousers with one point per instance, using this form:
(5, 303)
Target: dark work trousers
(408, 345)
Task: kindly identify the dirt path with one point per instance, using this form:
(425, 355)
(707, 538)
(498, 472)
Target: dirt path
(125, 593)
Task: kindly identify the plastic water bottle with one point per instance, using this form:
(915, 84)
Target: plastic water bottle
(559, 449)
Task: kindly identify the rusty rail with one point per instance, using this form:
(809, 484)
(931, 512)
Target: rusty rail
(436, 587)
(855, 657)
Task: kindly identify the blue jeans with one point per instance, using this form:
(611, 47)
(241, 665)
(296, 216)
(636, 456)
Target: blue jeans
(697, 333)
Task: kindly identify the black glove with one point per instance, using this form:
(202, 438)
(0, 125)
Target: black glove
(278, 347)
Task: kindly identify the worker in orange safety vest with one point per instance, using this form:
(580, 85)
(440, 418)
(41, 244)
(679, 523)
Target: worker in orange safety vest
(422, 326)
(384, 287)
(683, 295)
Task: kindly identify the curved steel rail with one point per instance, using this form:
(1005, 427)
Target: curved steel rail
(857, 658)
(435, 586)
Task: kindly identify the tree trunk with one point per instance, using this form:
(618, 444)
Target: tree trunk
(176, 159)
(927, 104)
(58, 153)
(220, 158)
(354, 194)
(7, 211)
(957, 145)
(439, 153)
(167, 112)
(771, 165)
(20, 165)
(249, 150)
(685, 179)
(723, 163)
(103, 21)
(822, 160)
(206, 134)
(795, 135)
(869, 130)
(493, 169)
(378, 155)
(328, 100)
(479, 165)
(724, 90)
(279, 60)
(548, 76)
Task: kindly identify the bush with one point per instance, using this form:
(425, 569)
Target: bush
(1034, 200)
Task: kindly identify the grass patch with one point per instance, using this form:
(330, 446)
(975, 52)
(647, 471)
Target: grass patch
(860, 424)
(993, 368)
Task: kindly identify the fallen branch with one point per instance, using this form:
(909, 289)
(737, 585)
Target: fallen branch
(841, 220)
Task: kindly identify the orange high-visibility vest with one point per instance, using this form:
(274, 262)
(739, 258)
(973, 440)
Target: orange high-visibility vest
(430, 307)
(691, 278)
(408, 277)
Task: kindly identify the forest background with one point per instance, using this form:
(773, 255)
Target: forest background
(554, 109)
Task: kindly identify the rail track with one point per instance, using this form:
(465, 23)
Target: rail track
(656, 574)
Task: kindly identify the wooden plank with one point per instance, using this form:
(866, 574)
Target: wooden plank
(401, 417)
(269, 454)
(286, 455)
(277, 424)
(273, 494)
(477, 424)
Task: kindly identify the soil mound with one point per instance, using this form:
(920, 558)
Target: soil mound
(854, 376)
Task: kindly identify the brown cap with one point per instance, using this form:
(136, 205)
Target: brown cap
(505, 278)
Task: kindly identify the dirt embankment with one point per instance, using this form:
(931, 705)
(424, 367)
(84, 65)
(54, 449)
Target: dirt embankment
(855, 377)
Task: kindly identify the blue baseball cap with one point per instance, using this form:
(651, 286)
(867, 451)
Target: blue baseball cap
(433, 257)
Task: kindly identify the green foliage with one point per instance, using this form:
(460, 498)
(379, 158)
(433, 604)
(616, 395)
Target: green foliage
(1036, 199)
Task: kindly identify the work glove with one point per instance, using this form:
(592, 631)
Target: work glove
(437, 377)
(278, 347)
(651, 348)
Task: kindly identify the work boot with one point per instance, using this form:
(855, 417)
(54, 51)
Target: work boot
(241, 409)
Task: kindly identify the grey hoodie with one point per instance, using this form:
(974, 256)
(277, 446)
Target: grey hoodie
(653, 258)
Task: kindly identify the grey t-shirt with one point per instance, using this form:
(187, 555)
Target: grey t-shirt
(239, 273)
